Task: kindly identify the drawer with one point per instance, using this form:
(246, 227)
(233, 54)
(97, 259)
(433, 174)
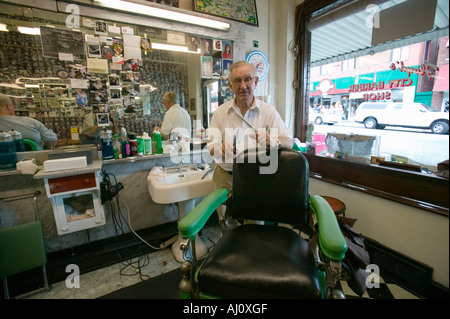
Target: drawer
(71, 183)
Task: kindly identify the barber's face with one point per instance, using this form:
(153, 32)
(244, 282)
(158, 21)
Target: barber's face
(242, 83)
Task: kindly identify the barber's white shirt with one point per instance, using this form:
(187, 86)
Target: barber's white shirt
(177, 119)
(228, 122)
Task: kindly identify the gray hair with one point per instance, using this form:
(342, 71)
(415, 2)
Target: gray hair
(170, 97)
(238, 64)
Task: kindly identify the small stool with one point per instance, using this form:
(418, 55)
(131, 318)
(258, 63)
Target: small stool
(337, 205)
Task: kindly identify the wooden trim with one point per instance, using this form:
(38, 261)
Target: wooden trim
(415, 189)
(303, 13)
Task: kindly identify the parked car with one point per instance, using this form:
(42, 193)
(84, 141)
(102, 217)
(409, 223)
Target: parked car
(323, 117)
(414, 115)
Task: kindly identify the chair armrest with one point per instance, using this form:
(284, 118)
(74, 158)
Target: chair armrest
(331, 241)
(191, 224)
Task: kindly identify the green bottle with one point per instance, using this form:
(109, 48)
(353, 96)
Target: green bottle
(140, 146)
(158, 139)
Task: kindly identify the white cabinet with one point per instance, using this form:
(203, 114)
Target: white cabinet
(76, 201)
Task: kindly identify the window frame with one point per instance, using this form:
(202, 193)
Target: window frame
(427, 192)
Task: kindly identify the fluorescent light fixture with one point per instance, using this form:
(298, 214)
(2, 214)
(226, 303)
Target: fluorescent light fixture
(3, 27)
(162, 13)
(27, 30)
(170, 47)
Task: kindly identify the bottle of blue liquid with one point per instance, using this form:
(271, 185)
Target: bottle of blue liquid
(107, 145)
(18, 140)
(8, 158)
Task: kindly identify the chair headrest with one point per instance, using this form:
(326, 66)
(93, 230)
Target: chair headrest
(271, 185)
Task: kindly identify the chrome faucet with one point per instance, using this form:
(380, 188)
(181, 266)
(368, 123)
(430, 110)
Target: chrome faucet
(180, 164)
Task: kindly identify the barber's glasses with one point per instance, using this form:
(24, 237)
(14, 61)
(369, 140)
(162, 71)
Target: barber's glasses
(248, 80)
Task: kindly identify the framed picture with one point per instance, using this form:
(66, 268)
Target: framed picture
(226, 64)
(101, 27)
(217, 66)
(114, 80)
(239, 10)
(207, 66)
(102, 119)
(192, 43)
(55, 41)
(115, 94)
(217, 45)
(206, 47)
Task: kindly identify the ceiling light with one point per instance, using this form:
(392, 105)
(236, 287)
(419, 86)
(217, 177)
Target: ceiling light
(162, 13)
(3, 27)
(170, 47)
(26, 30)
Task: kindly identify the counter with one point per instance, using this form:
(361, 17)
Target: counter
(134, 199)
(90, 168)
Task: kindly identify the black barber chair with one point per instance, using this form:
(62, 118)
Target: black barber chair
(296, 253)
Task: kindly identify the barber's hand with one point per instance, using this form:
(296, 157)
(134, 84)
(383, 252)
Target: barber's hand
(228, 151)
(264, 139)
(223, 152)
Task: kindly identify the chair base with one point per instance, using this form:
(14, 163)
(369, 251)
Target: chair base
(200, 247)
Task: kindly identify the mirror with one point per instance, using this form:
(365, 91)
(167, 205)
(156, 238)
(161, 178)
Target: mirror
(51, 77)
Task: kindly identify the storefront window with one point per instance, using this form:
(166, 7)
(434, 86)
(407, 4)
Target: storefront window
(385, 102)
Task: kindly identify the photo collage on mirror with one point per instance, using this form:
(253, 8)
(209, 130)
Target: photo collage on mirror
(217, 57)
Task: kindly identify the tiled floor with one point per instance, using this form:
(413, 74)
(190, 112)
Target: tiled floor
(103, 281)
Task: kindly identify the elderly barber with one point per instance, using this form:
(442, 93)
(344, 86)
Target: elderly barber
(176, 119)
(244, 118)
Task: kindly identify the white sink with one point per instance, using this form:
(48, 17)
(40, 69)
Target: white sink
(182, 188)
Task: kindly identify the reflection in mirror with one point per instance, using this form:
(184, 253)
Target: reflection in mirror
(60, 75)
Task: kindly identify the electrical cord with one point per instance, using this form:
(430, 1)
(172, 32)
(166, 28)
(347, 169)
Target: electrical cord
(143, 259)
(129, 221)
(132, 230)
(128, 263)
(119, 222)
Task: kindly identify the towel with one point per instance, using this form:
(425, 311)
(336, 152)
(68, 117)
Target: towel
(158, 174)
(27, 166)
